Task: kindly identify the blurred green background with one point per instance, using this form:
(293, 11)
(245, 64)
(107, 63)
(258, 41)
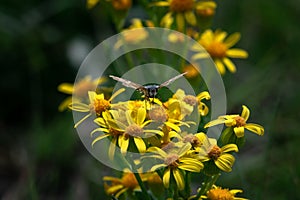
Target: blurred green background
(42, 44)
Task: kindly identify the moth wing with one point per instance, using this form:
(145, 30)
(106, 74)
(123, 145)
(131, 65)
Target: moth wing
(166, 83)
(127, 83)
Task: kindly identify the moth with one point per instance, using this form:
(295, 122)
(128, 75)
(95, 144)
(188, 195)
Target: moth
(149, 91)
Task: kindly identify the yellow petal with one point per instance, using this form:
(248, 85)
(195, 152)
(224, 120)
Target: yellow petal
(178, 176)
(141, 115)
(220, 35)
(173, 126)
(180, 21)
(112, 148)
(184, 149)
(125, 143)
(230, 66)
(225, 162)
(160, 3)
(80, 121)
(91, 3)
(203, 95)
(190, 18)
(155, 167)
(214, 122)
(140, 144)
(64, 105)
(66, 88)
(99, 138)
(245, 113)
(116, 94)
(157, 151)
(239, 131)
(79, 107)
(255, 128)
(236, 53)
(232, 39)
(166, 178)
(229, 148)
(167, 20)
(200, 55)
(220, 66)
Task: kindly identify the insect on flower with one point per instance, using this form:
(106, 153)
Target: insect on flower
(150, 91)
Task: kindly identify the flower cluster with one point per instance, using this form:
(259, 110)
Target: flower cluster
(171, 144)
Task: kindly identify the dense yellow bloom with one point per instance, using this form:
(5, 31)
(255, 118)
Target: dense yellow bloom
(119, 186)
(79, 90)
(181, 10)
(97, 104)
(220, 49)
(218, 193)
(209, 150)
(238, 122)
(173, 160)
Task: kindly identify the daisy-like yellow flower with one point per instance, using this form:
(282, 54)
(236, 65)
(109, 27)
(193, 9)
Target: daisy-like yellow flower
(132, 128)
(134, 37)
(209, 150)
(119, 186)
(218, 193)
(219, 48)
(181, 10)
(173, 161)
(192, 101)
(79, 90)
(97, 104)
(238, 122)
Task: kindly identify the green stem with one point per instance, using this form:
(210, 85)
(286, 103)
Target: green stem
(187, 183)
(143, 188)
(210, 181)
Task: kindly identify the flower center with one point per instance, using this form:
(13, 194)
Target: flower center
(217, 49)
(219, 194)
(114, 132)
(172, 160)
(134, 130)
(192, 139)
(158, 114)
(121, 4)
(99, 106)
(215, 152)
(129, 181)
(181, 5)
(240, 121)
(191, 100)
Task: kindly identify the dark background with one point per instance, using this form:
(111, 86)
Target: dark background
(42, 44)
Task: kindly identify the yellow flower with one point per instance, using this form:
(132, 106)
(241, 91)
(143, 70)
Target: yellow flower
(182, 10)
(79, 90)
(238, 122)
(209, 150)
(218, 193)
(97, 104)
(118, 186)
(133, 37)
(125, 127)
(91, 3)
(220, 49)
(191, 101)
(206, 8)
(174, 160)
